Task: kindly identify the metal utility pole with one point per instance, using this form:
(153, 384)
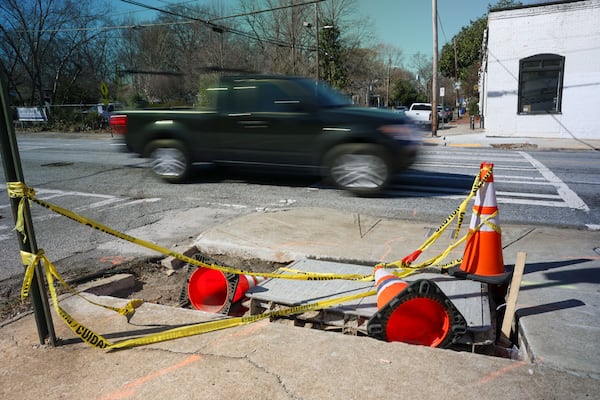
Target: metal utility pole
(13, 173)
(434, 78)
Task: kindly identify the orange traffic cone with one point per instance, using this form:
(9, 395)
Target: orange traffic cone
(211, 290)
(418, 313)
(482, 259)
(388, 286)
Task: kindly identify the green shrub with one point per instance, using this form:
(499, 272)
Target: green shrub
(473, 107)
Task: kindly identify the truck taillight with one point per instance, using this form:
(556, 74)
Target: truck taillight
(118, 124)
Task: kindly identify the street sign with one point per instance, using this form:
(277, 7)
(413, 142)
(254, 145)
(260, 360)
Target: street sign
(104, 92)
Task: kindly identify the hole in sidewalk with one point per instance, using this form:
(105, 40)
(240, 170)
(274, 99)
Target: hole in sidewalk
(169, 287)
(155, 283)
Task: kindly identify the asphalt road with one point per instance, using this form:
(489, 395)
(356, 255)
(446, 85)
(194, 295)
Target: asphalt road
(88, 175)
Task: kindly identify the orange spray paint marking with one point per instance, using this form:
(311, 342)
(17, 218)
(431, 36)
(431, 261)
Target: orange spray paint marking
(241, 332)
(311, 244)
(115, 260)
(389, 247)
(500, 372)
(130, 388)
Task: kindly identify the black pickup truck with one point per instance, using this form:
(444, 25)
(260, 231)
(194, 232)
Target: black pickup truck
(278, 122)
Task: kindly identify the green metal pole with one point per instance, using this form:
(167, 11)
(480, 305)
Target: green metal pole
(13, 173)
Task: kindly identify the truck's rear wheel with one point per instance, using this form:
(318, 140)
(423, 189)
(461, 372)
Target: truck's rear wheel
(170, 160)
(360, 168)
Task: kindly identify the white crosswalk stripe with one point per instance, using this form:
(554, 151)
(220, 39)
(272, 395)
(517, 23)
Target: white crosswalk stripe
(79, 202)
(518, 176)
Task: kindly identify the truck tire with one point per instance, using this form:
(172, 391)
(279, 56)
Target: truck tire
(170, 160)
(361, 168)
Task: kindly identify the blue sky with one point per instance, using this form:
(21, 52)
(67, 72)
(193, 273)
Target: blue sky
(405, 24)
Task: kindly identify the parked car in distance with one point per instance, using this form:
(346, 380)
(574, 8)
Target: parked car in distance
(105, 110)
(449, 113)
(445, 113)
(420, 114)
(275, 122)
(400, 109)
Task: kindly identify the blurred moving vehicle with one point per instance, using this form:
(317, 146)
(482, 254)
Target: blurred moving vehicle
(277, 122)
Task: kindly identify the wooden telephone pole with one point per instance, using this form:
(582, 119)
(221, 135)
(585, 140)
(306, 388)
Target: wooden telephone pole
(456, 79)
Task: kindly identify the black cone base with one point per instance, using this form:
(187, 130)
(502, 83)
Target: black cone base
(420, 314)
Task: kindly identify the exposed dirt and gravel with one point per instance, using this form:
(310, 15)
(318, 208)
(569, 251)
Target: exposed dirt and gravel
(155, 283)
(158, 284)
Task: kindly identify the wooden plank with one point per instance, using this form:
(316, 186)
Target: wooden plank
(513, 294)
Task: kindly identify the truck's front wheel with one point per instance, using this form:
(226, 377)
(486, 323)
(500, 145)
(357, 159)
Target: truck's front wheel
(360, 168)
(170, 160)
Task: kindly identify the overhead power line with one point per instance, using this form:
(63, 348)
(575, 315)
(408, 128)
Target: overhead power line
(190, 20)
(222, 28)
(442, 26)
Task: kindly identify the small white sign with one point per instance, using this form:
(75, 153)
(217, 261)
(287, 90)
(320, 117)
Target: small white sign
(442, 91)
(31, 114)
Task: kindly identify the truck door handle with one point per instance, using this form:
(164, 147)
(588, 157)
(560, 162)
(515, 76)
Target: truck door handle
(253, 124)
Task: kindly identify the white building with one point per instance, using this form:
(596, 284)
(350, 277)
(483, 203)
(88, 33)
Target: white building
(540, 75)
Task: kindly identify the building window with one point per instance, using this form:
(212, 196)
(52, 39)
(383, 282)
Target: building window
(540, 84)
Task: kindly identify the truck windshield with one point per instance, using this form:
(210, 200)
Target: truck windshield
(324, 94)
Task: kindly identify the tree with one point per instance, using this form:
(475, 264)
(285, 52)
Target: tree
(461, 57)
(285, 40)
(282, 35)
(468, 49)
(48, 45)
(364, 75)
(403, 89)
(332, 56)
(423, 66)
(166, 59)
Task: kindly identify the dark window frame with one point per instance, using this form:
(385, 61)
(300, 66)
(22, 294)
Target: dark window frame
(541, 69)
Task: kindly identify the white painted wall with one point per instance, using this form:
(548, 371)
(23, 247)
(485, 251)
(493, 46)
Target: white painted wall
(571, 30)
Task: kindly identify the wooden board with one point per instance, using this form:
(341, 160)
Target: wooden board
(469, 297)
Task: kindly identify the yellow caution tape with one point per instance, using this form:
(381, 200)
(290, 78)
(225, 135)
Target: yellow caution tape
(211, 326)
(405, 264)
(315, 276)
(403, 269)
(88, 336)
(97, 340)
(32, 260)
(19, 189)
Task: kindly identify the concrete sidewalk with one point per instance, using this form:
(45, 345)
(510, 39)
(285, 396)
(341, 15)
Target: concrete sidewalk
(558, 309)
(558, 313)
(459, 134)
(558, 323)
